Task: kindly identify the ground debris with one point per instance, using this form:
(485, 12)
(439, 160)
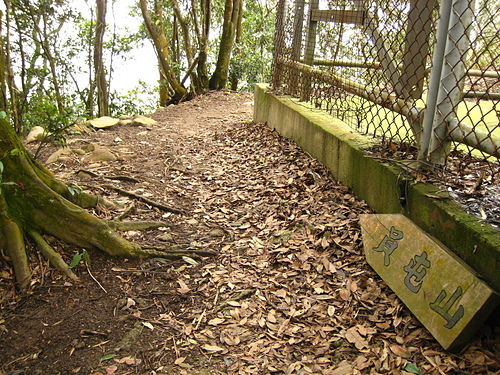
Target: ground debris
(288, 293)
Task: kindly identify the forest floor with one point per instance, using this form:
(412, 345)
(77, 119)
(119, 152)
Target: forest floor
(289, 292)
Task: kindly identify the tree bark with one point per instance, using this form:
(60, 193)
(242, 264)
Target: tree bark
(187, 44)
(219, 77)
(239, 33)
(7, 68)
(42, 37)
(3, 88)
(100, 73)
(34, 202)
(161, 45)
(203, 35)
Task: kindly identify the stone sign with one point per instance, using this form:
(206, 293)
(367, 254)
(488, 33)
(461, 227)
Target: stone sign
(440, 289)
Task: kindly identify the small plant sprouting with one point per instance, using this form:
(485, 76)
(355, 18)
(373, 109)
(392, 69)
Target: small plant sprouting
(74, 189)
(78, 257)
(107, 357)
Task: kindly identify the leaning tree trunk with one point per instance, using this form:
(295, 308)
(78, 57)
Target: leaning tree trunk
(161, 47)
(33, 202)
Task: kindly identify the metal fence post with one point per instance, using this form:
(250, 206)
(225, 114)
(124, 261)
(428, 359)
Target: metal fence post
(298, 25)
(277, 73)
(436, 72)
(309, 52)
(452, 78)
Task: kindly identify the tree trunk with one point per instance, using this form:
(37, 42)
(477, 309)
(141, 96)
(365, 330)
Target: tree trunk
(161, 45)
(187, 45)
(219, 77)
(202, 42)
(42, 37)
(34, 202)
(163, 90)
(235, 77)
(100, 73)
(7, 68)
(3, 78)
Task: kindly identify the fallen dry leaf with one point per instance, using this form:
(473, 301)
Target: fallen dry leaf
(352, 335)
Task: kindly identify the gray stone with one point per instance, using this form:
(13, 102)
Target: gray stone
(101, 154)
(59, 154)
(104, 122)
(37, 133)
(143, 121)
(126, 122)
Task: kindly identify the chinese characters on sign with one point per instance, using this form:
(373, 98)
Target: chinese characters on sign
(444, 311)
(439, 288)
(389, 244)
(416, 270)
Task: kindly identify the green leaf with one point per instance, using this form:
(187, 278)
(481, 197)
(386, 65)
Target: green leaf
(76, 259)
(74, 189)
(71, 190)
(1, 167)
(106, 357)
(86, 256)
(410, 367)
(15, 152)
(3, 114)
(8, 183)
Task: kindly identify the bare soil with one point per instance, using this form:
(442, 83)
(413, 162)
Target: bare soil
(288, 293)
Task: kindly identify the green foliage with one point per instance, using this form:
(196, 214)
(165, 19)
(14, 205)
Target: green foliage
(107, 357)
(137, 101)
(252, 63)
(44, 112)
(411, 368)
(74, 189)
(77, 258)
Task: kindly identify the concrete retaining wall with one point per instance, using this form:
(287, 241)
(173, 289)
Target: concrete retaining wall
(382, 185)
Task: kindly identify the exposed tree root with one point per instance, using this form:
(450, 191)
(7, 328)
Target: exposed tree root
(135, 225)
(143, 199)
(12, 240)
(48, 252)
(36, 203)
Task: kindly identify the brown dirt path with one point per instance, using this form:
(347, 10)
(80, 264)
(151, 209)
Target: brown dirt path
(289, 292)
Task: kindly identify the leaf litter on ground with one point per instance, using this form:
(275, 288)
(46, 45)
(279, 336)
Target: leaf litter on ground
(290, 291)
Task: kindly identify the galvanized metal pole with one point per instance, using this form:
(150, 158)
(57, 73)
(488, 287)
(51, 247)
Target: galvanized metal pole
(437, 67)
(452, 78)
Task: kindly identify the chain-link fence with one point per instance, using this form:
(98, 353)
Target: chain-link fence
(421, 75)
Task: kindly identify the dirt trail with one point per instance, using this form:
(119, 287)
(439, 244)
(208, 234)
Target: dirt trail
(289, 292)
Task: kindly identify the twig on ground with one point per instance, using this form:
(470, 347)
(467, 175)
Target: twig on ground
(93, 278)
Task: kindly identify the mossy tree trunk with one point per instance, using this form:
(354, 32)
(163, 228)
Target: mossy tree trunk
(33, 202)
(219, 77)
